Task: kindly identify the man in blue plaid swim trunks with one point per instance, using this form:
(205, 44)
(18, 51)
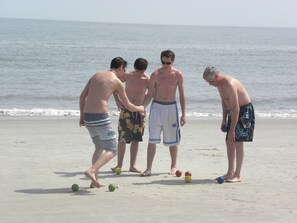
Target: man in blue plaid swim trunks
(93, 104)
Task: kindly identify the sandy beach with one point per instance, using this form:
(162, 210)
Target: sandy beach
(41, 158)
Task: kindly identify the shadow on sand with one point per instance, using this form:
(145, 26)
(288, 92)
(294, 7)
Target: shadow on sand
(178, 181)
(81, 191)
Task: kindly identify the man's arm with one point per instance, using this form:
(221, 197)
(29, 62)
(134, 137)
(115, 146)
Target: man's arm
(82, 101)
(115, 94)
(234, 108)
(182, 100)
(150, 91)
(117, 100)
(224, 110)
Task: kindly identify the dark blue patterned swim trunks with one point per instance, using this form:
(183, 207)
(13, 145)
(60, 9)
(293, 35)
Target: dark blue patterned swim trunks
(244, 130)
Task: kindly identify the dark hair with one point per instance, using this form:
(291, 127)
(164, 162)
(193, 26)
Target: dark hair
(168, 53)
(117, 62)
(140, 64)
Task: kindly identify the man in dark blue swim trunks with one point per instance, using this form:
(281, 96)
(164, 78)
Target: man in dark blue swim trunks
(238, 118)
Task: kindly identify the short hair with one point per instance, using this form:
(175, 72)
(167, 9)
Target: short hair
(117, 62)
(168, 53)
(140, 64)
(210, 71)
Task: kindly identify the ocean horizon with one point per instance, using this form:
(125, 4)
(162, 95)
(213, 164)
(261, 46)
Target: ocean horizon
(44, 65)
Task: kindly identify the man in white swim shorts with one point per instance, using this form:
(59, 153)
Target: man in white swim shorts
(164, 113)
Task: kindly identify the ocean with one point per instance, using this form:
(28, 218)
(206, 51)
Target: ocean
(44, 65)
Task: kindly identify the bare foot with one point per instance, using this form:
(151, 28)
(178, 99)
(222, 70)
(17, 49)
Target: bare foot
(90, 174)
(234, 180)
(146, 173)
(226, 177)
(92, 185)
(134, 170)
(172, 171)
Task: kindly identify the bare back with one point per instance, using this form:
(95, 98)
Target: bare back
(165, 84)
(99, 89)
(233, 92)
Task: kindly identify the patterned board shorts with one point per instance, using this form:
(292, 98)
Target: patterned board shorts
(131, 126)
(244, 130)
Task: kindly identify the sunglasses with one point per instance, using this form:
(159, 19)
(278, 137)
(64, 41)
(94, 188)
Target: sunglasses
(168, 63)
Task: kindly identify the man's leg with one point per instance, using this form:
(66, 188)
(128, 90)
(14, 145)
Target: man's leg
(93, 171)
(97, 153)
(173, 154)
(151, 151)
(133, 156)
(239, 160)
(121, 154)
(231, 152)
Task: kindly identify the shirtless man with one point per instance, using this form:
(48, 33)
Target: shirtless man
(93, 106)
(131, 124)
(238, 118)
(164, 112)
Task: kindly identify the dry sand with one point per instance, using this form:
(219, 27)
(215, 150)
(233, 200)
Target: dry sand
(42, 158)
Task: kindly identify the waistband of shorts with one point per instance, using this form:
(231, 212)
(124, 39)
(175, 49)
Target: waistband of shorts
(243, 106)
(164, 102)
(96, 115)
(96, 119)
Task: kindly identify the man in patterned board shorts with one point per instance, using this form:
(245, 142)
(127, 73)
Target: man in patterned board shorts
(238, 118)
(93, 105)
(131, 124)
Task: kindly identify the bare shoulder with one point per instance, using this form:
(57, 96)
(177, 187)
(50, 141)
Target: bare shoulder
(234, 82)
(177, 72)
(146, 76)
(125, 77)
(230, 84)
(156, 72)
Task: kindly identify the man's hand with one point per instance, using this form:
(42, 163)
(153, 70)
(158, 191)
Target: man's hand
(231, 136)
(142, 110)
(81, 122)
(182, 120)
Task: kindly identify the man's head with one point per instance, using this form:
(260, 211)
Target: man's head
(118, 62)
(210, 74)
(140, 64)
(167, 57)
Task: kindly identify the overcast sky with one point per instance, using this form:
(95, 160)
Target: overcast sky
(271, 13)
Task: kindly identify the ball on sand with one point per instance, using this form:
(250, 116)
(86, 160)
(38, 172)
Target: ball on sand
(188, 173)
(118, 170)
(188, 179)
(111, 187)
(75, 187)
(178, 173)
(220, 180)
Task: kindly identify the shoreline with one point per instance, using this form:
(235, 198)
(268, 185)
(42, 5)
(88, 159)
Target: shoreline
(116, 116)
